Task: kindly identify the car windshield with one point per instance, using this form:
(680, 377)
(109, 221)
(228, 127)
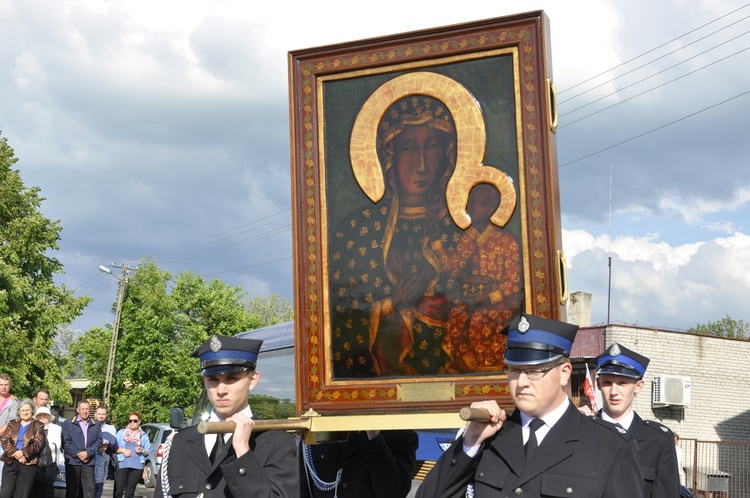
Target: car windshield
(276, 370)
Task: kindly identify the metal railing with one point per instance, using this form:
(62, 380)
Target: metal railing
(716, 469)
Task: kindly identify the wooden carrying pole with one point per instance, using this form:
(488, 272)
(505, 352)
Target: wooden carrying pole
(288, 424)
(341, 423)
(470, 414)
(354, 422)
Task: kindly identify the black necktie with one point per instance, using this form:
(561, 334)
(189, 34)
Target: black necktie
(532, 444)
(218, 447)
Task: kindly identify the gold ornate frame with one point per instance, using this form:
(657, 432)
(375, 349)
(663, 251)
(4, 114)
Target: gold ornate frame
(337, 97)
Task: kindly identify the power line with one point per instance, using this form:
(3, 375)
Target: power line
(201, 244)
(648, 52)
(248, 267)
(91, 281)
(653, 130)
(261, 236)
(203, 239)
(658, 86)
(102, 285)
(659, 72)
(659, 58)
(645, 91)
(100, 291)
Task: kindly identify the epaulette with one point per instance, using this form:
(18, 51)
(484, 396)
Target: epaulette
(661, 428)
(612, 427)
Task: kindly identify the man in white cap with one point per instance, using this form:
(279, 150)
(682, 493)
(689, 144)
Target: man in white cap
(546, 447)
(245, 464)
(620, 379)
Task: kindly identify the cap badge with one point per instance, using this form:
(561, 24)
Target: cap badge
(614, 350)
(214, 344)
(523, 325)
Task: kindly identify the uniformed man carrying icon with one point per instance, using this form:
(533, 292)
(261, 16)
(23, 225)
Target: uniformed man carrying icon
(244, 464)
(567, 453)
(620, 378)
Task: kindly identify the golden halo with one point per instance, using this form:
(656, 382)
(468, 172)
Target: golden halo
(470, 137)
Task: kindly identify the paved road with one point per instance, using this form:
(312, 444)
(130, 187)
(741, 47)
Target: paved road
(141, 491)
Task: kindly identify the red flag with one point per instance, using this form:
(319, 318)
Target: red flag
(588, 389)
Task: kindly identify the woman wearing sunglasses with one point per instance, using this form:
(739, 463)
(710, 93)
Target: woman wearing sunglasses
(134, 446)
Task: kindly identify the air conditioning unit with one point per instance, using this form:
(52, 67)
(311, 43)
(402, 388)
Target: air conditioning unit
(671, 390)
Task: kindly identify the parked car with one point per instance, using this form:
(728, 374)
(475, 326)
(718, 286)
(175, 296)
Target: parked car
(59, 484)
(157, 434)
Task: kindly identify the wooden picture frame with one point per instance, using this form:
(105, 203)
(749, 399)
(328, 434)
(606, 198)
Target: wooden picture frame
(400, 296)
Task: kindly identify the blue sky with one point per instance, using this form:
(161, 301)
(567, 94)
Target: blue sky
(151, 131)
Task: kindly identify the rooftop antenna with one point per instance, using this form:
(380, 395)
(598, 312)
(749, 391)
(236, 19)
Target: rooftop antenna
(609, 247)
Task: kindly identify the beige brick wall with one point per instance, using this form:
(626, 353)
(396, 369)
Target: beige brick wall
(720, 372)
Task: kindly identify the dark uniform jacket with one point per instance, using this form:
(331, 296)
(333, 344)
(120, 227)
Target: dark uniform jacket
(658, 458)
(579, 457)
(269, 469)
(379, 468)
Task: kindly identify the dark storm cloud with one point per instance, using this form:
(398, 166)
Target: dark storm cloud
(683, 139)
(169, 137)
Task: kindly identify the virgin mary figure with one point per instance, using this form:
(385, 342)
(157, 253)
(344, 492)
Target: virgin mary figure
(389, 299)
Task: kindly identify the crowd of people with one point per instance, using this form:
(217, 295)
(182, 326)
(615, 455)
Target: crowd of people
(546, 447)
(35, 440)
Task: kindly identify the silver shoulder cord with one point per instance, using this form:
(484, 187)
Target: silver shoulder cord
(164, 470)
(317, 481)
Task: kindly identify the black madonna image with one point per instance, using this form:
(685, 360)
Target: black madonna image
(422, 274)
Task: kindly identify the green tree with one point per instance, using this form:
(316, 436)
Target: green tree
(163, 321)
(726, 327)
(62, 341)
(32, 307)
(269, 310)
(269, 408)
(86, 356)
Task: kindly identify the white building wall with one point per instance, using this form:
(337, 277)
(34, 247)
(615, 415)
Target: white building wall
(718, 368)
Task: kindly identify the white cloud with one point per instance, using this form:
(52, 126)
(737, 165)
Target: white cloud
(657, 285)
(631, 249)
(151, 124)
(693, 211)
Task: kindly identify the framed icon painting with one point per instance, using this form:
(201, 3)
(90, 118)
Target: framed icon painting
(426, 212)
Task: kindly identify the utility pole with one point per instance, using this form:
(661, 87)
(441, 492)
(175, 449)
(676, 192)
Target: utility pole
(116, 329)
